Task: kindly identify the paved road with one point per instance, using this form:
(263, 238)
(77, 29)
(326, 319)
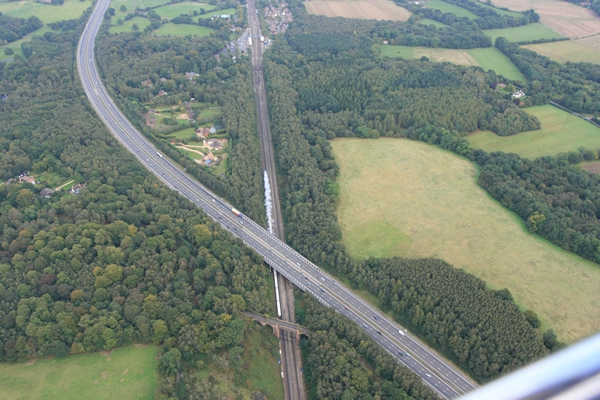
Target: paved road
(291, 362)
(447, 380)
(289, 326)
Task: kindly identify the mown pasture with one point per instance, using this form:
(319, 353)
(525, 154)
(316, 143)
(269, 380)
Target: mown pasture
(48, 13)
(450, 8)
(560, 132)
(124, 373)
(487, 58)
(424, 202)
(523, 33)
(567, 50)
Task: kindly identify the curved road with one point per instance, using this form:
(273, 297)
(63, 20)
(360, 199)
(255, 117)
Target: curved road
(447, 380)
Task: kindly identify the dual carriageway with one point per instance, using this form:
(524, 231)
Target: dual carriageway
(446, 379)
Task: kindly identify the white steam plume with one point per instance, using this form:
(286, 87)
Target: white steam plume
(268, 204)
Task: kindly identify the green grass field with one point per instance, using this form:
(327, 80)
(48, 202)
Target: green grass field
(566, 50)
(492, 58)
(560, 132)
(500, 11)
(183, 30)
(427, 21)
(407, 198)
(127, 26)
(488, 58)
(523, 33)
(184, 133)
(228, 11)
(171, 11)
(450, 8)
(71, 9)
(126, 373)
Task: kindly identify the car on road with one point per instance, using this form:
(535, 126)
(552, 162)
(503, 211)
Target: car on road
(345, 308)
(375, 316)
(427, 375)
(322, 290)
(400, 332)
(400, 353)
(379, 333)
(323, 279)
(365, 325)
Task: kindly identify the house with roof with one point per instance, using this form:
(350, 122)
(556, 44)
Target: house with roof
(46, 193)
(518, 94)
(209, 159)
(27, 179)
(76, 189)
(216, 144)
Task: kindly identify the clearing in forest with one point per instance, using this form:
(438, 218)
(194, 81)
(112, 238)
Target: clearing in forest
(566, 18)
(560, 132)
(487, 58)
(450, 8)
(425, 202)
(126, 373)
(569, 50)
(173, 10)
(524, 33)
(363, 9)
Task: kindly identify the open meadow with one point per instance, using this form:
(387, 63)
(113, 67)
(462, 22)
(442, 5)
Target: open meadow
(523, 33)
(364, 9)
(48, 13)
(568, 19)
(560, 132)
(449, 8)
(124, 373)
(427, 21)
(127, 26)
(173, 10)
(183, 30)
(407, 198)
(486, 58)
(568, 50)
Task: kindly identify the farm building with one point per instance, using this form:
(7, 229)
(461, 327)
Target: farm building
(46, 193)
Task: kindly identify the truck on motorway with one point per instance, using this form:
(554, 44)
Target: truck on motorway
(262, 38)
(249, 41)
(236, 212)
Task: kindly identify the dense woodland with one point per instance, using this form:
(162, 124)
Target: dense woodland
(124, 261)
(12, 29)
(334, 359)
(573, 85)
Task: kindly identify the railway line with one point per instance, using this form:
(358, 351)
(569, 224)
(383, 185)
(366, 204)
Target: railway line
(443, 377)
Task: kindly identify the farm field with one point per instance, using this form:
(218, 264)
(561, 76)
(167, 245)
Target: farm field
(171, 11)
(561, 132)
(125, 373)
(488, 58)
(48, 13)
(363, 9)
(568, 19)
(450, 8)
(183, 30)
(502, 12)
(492, 58)
(428, 204)
(523, 33)
(127, 26)
(569, 50)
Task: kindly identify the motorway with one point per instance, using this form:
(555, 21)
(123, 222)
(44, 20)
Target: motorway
(291, 362)
(447, 380)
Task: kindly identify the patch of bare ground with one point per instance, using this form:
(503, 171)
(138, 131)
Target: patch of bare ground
(363, 9)
(595, 168)
(568, 19)
(30, 362)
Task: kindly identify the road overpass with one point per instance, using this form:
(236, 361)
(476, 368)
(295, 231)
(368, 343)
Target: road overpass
(446, 379)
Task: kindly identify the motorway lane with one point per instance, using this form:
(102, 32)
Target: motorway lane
(443, 377)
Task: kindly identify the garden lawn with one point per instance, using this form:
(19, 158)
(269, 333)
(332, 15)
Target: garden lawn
(125, 373)
(407, 198)
(524, 33)
(492, 58)
(183, 30)
(450, 8)
(184, 133)
(561, 132)
(173, 10)
(71, 9)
